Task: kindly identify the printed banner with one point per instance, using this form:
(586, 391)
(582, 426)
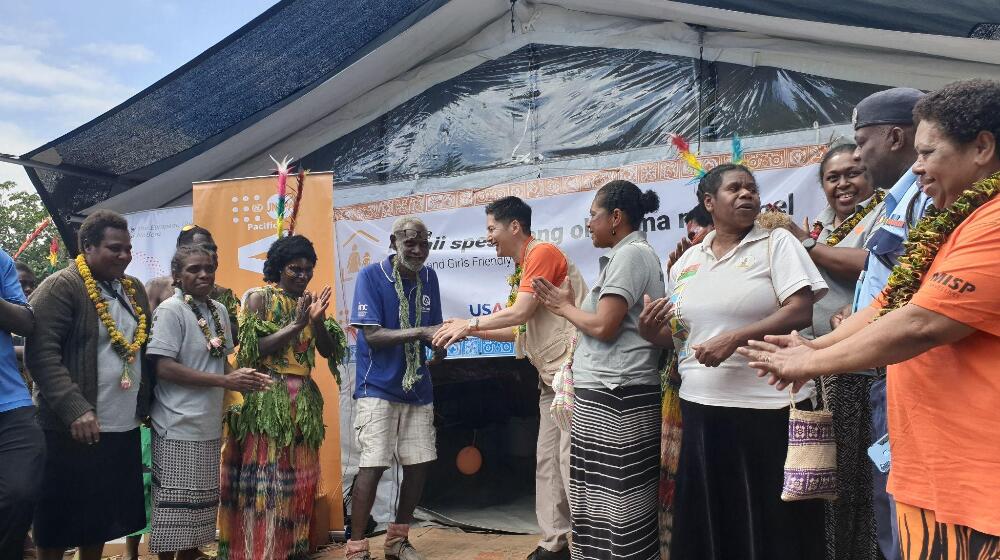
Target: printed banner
(154, 235)
(474, 280)
(241, 213)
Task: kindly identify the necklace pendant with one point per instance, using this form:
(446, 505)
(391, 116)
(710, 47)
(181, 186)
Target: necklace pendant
(126, 379)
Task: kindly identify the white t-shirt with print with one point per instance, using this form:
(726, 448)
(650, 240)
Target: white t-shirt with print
(712, 296)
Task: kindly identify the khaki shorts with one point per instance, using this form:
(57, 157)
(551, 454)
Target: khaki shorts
(384, 428)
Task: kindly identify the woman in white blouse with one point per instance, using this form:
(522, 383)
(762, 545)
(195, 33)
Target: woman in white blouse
(740, 282)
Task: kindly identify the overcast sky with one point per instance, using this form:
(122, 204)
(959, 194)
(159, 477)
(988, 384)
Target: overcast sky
(64, 62)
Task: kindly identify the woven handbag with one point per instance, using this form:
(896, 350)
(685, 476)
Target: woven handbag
(811, 463)
(561, 408)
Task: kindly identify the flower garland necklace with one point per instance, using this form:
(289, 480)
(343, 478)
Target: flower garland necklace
(411, 349)
(847, 225)
(215, 344)
(126, 350)
(515, 280)
(925, 240)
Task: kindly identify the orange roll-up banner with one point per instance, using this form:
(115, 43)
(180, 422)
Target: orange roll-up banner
(240, 214)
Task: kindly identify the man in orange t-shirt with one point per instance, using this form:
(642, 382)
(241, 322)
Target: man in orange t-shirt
(543, 338)
(942, 345)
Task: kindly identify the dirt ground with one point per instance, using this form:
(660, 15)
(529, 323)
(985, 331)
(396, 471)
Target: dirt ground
(437, 543)
(452, 544)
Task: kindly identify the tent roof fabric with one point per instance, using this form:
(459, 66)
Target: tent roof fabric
(955, 18)
(296, 65)
(277, 57)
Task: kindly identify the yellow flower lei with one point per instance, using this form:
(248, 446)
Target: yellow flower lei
(514, 280)
(847, 225)
(925, 240)
(126, 350)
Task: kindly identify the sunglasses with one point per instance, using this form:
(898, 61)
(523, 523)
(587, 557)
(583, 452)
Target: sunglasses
(189, 227)
(408, 234)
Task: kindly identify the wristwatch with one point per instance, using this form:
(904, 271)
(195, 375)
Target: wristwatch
(474, 324)
(808, 243)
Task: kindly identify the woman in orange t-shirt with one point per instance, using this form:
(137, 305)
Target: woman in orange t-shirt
(939, 328)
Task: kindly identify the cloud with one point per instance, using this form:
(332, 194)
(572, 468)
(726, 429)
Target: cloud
(60, 93)
(26, 67)
(119, 52)
(31, 32)
(16, 140)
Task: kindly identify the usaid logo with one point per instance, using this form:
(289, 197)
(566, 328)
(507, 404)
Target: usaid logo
(480, 309)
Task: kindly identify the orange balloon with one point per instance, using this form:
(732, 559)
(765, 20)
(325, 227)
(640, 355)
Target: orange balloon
(469, 460)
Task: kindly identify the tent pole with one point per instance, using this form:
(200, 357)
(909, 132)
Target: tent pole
(68, 170)
(699, 76)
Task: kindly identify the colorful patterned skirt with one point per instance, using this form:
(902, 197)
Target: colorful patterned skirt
(670, 451)
(922, 537)
(269, 472)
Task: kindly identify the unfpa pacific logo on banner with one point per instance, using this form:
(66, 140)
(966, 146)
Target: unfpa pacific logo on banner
(257, 213)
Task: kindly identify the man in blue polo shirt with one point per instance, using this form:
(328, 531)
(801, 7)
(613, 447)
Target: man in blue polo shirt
(884, 132)
(397, 309)
(22, 445)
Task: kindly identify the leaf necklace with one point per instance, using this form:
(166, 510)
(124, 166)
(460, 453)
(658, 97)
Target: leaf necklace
(847, 225)
(925, 240)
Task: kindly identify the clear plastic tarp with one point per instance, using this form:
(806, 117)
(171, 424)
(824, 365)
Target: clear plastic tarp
(546, 102)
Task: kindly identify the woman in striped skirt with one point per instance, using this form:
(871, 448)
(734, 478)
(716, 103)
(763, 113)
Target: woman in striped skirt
(615, 435)
(190, 341)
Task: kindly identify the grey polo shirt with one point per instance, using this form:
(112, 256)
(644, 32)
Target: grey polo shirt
(116, 406)
(841, 291)
(630, 269)
(187, 412)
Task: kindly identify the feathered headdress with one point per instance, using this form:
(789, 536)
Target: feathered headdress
(685, 151)
(283, 169)
(738, 151)
(300, 183)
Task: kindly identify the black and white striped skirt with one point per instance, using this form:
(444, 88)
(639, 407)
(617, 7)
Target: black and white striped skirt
(185, 493)
(614, 473)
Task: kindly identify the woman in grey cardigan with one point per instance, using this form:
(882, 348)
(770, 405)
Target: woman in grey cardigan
(86, 358)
